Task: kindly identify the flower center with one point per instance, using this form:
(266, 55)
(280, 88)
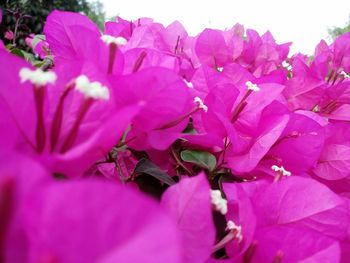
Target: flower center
(251, 87)
(200, 106)
(219, 203)
(235, 233)
(280, 172)
(39, 79)
(92, 91)
(114, 43)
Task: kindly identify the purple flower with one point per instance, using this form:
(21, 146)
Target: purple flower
(60, 123)
(190, 205)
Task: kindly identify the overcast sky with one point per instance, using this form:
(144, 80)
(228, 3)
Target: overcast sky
(304, 22)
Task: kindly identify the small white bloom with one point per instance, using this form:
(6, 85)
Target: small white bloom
(252, 86)
(219, 203)
(345, 75)
(281, 170)
(119, 41)
(200, 103)
(232, 226)
(189, 84)
(37, 77)
(93, 89)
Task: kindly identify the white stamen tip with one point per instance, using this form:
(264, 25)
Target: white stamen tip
(345, 75)
(252, 86)
(93, 89)
(119, 41)
(37, 77)
(281, 170)
(231, 226)
(220, 69)
(219, 203)
(200, 103)
(189, 84)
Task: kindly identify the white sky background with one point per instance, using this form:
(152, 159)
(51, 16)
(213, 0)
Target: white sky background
(303, 22)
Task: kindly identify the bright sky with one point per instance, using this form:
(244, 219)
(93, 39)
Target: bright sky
(304, 22)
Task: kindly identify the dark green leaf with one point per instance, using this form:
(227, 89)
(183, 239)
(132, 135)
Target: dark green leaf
(147, 167)
(203, 159)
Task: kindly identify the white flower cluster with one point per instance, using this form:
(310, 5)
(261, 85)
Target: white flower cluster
(281, 170)
(119, 41)
(252, 86)
(232, 226)
(200, 103)
(188, 84)
(37, 77)
(220, 69)
(345, 75)
(219, 203)
(93, 89)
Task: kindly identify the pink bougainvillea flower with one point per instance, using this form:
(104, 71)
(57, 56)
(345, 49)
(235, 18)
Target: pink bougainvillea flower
(61, 124)
(211, 48)
(190, 205)
(108, 225)
(174, 36)
(248, 118)
(38, 216)
(334, 162)
(297, 245)
(337, 54)
(299, 146)
(74, 38)
(234, 39)
(120, 28)
(261, 55)
(335, 103)
(19, 176)
(305, 89)
(250, 144)
(147, 35)
(167, 105)
(289, 208)
(139, 58)
(241, 214)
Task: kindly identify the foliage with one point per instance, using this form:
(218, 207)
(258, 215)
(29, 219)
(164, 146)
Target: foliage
(29, 15)
(335, 31)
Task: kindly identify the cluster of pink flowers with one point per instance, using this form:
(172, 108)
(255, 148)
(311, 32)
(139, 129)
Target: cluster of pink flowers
(246, 151)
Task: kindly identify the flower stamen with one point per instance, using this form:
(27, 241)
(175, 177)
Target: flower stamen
(219, 203)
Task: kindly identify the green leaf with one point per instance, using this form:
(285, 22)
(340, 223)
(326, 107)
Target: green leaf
(38, 63)
(145, 166)
(27, 56)
(202, 159)
(37, 39)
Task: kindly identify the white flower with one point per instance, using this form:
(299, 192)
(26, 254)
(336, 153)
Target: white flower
(233, 227)
(188, 84)
(252, 86)
(119, 41)
(345, 75)
(281, 170)
(200, 103)
(219, 203)
(93, 90)
(37, 77)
